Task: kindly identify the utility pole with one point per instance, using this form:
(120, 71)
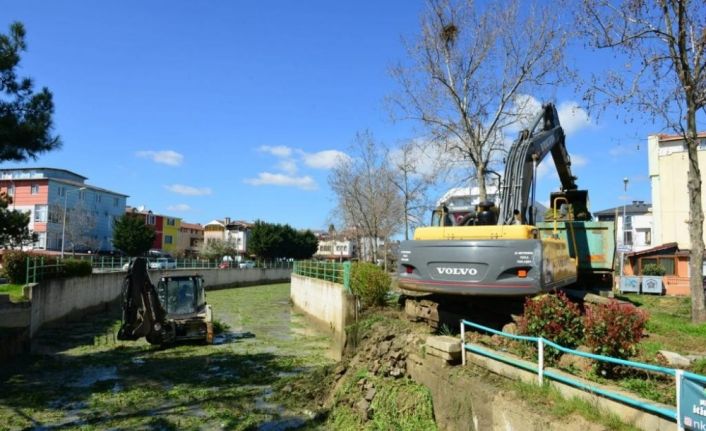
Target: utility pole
(624, 245)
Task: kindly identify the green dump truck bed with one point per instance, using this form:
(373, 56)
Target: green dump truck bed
(593, 243)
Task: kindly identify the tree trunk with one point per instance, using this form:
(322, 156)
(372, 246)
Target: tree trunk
(480, 179)
(696, 220)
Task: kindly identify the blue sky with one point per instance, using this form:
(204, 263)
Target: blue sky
(206, 110)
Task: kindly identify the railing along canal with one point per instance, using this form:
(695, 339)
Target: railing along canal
(336, 272)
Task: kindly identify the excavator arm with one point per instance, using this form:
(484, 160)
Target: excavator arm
(143, 314)
(543, 137)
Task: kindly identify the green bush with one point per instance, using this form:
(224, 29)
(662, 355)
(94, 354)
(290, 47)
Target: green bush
(77, 268)
(370, 282)
(653, 269)
(15, 265)
(555, 318)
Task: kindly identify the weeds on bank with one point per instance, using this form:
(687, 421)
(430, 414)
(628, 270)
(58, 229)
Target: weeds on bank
(550, 400)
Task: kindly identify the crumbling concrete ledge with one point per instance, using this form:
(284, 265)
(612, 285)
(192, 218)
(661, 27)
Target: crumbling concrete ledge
(628, 414)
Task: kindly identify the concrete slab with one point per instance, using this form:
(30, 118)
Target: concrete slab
(444, 343)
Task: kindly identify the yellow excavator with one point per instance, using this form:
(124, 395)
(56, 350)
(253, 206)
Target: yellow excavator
(501, 251)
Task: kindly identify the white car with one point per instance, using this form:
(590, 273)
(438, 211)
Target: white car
(247, 264)
(163, 263)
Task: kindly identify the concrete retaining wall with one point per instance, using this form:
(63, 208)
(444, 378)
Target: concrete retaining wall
(329, 304)
(57, 299)
(638, 418)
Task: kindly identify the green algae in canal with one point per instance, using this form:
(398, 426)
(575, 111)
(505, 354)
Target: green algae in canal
(88, 380)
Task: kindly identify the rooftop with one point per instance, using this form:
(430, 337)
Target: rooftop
(635, 208)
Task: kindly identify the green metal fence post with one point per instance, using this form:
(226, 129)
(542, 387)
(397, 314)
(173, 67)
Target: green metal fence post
(347, 276)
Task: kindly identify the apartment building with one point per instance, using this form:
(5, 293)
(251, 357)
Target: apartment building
(668, 166)
(234, 233)
(166, 228)
(47, 193)
(190, 239)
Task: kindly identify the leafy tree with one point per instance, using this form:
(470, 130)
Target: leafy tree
(14, 230)
(132, 235)
(217, 248)
(270, 241)
(25, 116)
(25, 129)
(663, 75)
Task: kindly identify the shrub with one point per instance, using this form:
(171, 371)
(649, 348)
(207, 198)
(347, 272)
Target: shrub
(77, 268)
(370, 282)
(653, 269)
(15, 264)
(614, 329)
(555, 318)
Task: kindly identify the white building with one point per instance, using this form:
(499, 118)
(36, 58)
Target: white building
(668, 166)
(233, 233)
(635, 230)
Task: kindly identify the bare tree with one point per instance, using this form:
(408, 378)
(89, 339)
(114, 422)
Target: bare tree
(413, 171)
(368, 201)
(468, 68)
(665, 43)
(81, 223)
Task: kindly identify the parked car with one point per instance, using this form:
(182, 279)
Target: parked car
(247, 264)
(163, 263)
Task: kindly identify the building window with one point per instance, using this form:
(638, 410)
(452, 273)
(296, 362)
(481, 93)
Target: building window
(81, 195)
(628, 237)
(668, 263)
(628, 222)
(55, 213)
(62, 190)
(99, 197)
(34, 189)
(115, 202)
(171, 222)
(151, 219)
(40, 213)
(167, 239)
(11, 190)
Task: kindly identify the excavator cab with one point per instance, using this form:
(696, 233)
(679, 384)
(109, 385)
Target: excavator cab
(175, 310)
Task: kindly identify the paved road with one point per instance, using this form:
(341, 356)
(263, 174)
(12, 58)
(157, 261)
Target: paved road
(86, 379)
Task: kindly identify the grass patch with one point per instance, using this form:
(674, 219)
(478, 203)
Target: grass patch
(550, 400)
(669, 326)
(15, 291)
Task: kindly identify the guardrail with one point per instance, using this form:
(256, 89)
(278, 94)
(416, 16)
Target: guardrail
(36, 269)
(336, 272)
(679, 375)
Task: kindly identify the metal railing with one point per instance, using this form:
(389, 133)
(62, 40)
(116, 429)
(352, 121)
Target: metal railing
(336, 272)
(542, 343)
(37, 268)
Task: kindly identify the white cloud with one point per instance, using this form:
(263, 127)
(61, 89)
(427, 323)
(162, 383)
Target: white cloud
(267, 178)
(577, 160)
(326, 159)
(188, 190)
(621, 150)
(168, 157)
(572, 117)
(277, 151)
(288, 165)
(179, 208)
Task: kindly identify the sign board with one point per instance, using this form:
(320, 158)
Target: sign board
(630, 284)
(692, 404)
(624, 248)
